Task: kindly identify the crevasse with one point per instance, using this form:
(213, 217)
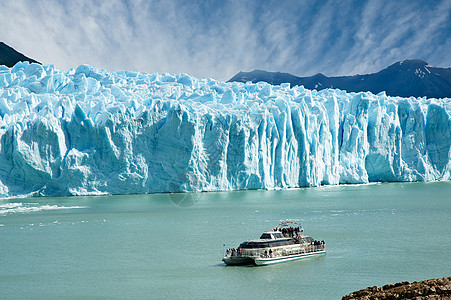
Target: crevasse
(88, 131)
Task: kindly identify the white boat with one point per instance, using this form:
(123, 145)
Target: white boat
(285, 242)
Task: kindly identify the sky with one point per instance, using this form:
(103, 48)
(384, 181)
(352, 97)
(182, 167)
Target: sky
(217, 39)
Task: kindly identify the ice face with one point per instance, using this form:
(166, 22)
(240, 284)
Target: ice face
(87, 131)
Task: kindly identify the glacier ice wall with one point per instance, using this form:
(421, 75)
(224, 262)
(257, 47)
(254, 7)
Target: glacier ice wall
(87, 131)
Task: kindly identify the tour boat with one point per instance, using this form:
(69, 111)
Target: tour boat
(285, 242)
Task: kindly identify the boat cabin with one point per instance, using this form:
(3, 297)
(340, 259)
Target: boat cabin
(271, 235)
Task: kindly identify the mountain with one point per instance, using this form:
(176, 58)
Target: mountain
(9, 57)
(405, 78)
(88, 131)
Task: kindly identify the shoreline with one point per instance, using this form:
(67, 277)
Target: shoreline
(438, 288)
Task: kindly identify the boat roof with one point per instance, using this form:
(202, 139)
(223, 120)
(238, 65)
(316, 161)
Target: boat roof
(285, 224)
(276, 233)
(277, 239)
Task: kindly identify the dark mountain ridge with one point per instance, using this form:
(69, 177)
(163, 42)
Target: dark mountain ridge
(9, 57)
(406, 78)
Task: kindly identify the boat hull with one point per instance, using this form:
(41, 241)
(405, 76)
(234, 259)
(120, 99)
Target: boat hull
(238, 260)
(263, 261)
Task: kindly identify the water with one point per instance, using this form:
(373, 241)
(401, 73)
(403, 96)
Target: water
(170, 246)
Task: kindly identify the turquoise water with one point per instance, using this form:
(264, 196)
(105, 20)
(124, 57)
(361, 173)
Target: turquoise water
(170, 246)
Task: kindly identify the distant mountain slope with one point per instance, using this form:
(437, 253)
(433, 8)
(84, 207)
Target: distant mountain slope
(406, 78)
(9, 57)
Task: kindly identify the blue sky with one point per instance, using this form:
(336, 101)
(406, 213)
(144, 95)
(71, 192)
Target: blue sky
(220, 38)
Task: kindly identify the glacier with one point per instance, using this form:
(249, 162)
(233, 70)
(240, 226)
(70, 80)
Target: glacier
(88, 131)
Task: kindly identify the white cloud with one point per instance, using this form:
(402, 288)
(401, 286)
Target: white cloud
(218, 39)
(398, 31)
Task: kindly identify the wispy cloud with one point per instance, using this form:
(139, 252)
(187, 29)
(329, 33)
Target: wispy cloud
(393, 31)
(219, 38)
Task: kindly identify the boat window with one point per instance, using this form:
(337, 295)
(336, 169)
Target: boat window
(244, 245)
(253, 245)
(265, 236)
(282, 243)
(266, 244)
(278, 235)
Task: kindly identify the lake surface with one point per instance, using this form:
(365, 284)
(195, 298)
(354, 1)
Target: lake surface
(170, 246)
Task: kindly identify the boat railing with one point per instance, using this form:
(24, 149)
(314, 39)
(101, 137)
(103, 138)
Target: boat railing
(276, 253)
(281, 253)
